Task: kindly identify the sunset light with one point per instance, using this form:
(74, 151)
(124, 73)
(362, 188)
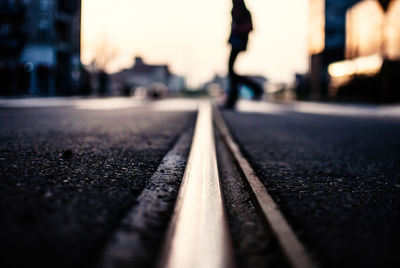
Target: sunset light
(191, 36)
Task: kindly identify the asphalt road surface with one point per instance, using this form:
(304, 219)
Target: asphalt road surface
(335, 176)
(73, 170)
(70, 172)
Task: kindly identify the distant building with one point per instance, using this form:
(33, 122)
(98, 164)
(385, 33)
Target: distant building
(143, 75)
(373, 28)
(372, 37)
(327, 40)
(372, 65)
(39, 46)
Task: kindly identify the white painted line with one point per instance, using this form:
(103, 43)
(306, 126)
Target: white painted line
(198, 234)
(294, 251)
(103, 104)
(334, 109)
(175, 105)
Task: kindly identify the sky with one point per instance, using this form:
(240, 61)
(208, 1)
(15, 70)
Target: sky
(191, 36)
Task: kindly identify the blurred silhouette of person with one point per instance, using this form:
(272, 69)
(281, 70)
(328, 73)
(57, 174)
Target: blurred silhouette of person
(241, 27)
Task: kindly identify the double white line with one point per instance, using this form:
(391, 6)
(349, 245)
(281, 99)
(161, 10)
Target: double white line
(199, 235)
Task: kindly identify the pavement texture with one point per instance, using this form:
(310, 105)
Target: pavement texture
(253, 242)
(69, 176)
(335, 178)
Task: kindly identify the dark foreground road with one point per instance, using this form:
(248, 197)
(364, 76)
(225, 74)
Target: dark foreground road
(68, 176)
(93, 183)
(336, 179)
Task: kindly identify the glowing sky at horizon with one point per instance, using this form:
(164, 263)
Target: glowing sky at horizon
(191, 35)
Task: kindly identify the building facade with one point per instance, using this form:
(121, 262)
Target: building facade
(147, 76)
(39, 47)
(373, 28)
(372, 66)
(327, 40)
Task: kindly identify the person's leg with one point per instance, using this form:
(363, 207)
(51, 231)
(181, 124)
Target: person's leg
(257, 89)
(233, 81)
(232, 59)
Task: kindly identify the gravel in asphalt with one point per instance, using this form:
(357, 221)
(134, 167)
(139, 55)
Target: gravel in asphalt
(336, 179)
(69, 176)
(137, 242)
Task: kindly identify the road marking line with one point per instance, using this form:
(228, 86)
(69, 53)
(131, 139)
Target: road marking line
(128, 247)
(292, 248)
(198, 234)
